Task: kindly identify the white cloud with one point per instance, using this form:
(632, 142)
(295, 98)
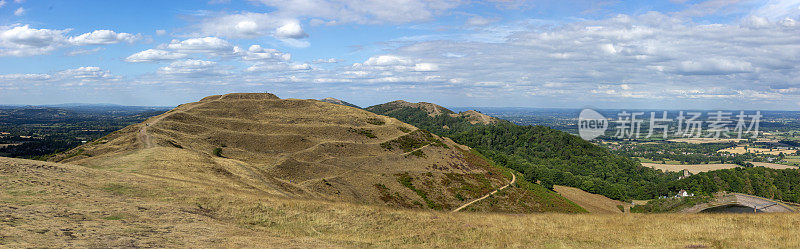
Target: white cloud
(71, 77)
(191, 68)
(22, 40)
(479, 21)
(285, 21)
(152, 55)
(362, 12)
(277, 67)
(25, 41)
(713, 67)
(426, 67)
(387, 60)
(256, 52)
(103, 37)
(211, 45)
(329, 60)
(19, 12)
(86, 73)
(2, 3)
(242, 25)
(291, 30)
(161, 32)
(77, 52)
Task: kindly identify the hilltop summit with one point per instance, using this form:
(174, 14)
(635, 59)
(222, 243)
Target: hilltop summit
(338, 102)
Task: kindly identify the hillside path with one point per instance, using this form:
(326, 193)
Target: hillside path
(145, 138)
(513, 179)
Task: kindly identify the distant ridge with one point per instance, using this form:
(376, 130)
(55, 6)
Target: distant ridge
(338, 102)
(433, 110)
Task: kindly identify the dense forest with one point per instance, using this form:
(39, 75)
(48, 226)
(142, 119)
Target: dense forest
(783, 184)
(553, 157)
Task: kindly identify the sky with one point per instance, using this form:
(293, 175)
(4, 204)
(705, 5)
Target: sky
(674, 54)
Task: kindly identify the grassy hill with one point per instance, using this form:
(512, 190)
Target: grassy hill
(65, 206)
(306, 149)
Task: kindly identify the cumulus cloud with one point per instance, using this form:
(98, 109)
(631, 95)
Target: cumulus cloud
(291, 30)
(191, 68)
(211, 45)
(285, 21)
(152, 55)
(86, 73)
(22, 40)
(103, 37)
(19, 12)
(71, 77)
(256, 52)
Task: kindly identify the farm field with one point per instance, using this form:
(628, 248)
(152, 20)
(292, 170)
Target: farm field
(741, 150)
(697, 168)
(693, 168)
(705, 140)
(774, 165)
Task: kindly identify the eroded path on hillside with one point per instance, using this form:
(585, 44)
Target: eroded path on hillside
(145, 138)
(513, 179)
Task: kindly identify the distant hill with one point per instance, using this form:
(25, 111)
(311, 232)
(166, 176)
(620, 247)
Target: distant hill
(545, 155)
(308, 149)
(338, 102)
(431, 110)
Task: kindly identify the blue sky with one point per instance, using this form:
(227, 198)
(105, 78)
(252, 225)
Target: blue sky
(729, 54)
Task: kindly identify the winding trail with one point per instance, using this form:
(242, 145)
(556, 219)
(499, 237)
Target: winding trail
(513, 179)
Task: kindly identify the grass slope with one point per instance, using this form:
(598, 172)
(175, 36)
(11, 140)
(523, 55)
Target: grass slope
(58, 205)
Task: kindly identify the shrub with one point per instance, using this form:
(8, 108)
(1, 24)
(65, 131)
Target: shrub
(217, 152)
(375, 121)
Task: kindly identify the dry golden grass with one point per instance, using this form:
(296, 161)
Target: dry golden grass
(57, 205)
(705, 140)
(693, 168)
(593, 203)
(773, 165)
(741, 150)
